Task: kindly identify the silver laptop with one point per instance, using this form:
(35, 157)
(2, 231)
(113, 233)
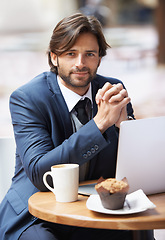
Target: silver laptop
(141, 154)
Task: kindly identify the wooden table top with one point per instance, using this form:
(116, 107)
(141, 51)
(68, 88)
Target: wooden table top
(44, 206)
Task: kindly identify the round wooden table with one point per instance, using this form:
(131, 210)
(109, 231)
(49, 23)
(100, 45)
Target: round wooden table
(43, 205)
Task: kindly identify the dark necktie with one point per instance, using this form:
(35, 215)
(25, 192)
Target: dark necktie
(81, 108)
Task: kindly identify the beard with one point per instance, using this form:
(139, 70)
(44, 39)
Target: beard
(72, 80)
(77, 81)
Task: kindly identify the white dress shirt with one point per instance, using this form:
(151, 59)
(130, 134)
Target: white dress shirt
(71, 99)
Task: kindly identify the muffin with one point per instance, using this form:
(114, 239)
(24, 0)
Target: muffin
(112, 192)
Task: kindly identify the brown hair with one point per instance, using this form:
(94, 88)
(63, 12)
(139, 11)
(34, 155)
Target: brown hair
(67, 31)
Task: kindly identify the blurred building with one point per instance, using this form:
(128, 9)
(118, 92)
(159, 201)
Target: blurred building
(130, 27)
(33, 15)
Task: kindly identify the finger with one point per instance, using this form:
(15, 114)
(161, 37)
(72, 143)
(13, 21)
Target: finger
(112, 91)
(106, 86)
(98, 96)
(101, 92)
(119, 97)
(125, 101)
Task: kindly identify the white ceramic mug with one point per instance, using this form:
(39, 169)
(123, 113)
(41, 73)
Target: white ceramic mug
(65, 181)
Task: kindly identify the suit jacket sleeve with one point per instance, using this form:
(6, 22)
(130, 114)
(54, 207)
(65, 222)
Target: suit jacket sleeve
(36, 148)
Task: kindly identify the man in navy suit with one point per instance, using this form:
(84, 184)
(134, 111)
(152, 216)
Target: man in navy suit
(48, 132)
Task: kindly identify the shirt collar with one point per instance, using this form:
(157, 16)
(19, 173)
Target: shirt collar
(72, 98)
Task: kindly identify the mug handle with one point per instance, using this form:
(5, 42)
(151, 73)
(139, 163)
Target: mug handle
(45, 181)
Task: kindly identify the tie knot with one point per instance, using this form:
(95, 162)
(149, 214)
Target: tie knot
(82, 103)
(82, 109)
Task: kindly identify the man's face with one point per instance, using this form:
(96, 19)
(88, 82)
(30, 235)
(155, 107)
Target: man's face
(78, 66)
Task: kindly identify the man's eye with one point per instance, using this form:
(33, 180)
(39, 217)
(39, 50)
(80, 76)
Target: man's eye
(90, 54)
(70, 54)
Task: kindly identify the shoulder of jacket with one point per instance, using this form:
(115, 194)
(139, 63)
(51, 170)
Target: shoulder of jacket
(103, 79)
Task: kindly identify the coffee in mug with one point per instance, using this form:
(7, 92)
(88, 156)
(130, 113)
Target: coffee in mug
(65, 179)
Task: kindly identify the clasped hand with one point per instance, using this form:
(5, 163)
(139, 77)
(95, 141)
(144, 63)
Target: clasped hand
(112, 101)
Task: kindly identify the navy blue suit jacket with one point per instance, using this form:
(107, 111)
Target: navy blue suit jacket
(44, 137)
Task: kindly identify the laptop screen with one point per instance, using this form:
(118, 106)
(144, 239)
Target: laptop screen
(141, 154)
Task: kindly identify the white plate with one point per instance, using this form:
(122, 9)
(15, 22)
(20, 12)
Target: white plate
(136, 202)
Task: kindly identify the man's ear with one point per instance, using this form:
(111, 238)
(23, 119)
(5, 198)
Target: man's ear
(54, 58)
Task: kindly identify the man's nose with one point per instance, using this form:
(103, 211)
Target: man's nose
(80, 61)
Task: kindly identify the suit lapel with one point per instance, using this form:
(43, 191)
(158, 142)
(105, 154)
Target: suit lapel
(95, 87)
(60, 104)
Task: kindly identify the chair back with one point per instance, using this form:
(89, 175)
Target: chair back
(7, 163)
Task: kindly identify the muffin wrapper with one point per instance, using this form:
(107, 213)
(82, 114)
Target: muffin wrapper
(112, 201)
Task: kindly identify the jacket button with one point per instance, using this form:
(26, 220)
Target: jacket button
(89, 153)
(33, 218)
(85, 155)
(96, 147)
(92, 150)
